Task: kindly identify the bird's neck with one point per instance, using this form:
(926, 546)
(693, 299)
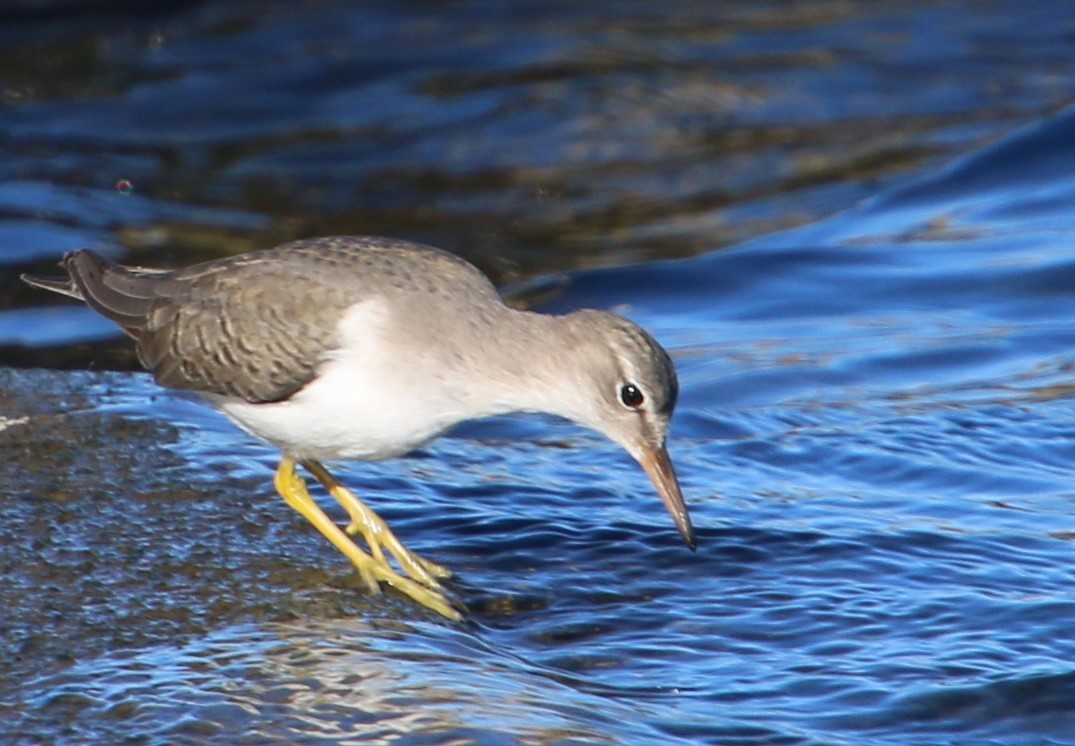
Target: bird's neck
(526, 362)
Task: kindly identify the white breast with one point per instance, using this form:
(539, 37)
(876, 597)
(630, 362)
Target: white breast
(378, 396)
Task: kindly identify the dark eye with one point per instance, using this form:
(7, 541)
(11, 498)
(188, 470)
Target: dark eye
(631, 396)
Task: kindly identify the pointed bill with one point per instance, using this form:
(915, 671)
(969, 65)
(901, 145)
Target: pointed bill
(659, 467)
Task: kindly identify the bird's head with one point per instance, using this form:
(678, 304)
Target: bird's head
(629, 394)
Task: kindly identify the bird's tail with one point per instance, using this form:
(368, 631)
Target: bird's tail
(113, 291)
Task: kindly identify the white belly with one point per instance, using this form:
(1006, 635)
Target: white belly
(371, 401)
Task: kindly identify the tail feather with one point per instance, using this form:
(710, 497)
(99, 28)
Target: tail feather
(115, 292)
(111, 290)
(61, 285)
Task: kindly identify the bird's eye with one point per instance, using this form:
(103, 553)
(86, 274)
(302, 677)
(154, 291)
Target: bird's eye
(631, 396)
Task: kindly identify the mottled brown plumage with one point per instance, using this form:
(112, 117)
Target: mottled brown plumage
(254, 326)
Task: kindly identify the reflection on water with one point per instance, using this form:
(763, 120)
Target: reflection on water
(343, 681)
(875, 426)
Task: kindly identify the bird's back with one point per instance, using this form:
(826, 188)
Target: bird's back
(256, 326)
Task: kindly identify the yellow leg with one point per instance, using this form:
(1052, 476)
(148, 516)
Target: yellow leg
(292, 488)
(376, 532)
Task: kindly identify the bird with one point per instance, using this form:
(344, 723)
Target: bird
(366, 348)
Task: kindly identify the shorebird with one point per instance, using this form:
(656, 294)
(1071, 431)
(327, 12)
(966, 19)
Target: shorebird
(366, 348)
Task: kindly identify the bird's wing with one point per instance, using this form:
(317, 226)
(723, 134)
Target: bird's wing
(254, 327)
(257, 326)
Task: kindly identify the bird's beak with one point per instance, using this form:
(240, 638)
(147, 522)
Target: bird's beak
(659, 467)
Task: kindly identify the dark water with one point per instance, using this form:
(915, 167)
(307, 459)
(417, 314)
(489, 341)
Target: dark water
(875, 431)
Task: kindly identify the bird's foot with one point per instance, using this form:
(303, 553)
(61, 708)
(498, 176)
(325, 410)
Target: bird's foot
(374, 567)
(374, 530)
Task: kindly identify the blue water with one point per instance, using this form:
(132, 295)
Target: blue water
(875, 434)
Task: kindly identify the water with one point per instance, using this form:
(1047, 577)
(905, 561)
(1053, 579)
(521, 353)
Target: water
(875, 427)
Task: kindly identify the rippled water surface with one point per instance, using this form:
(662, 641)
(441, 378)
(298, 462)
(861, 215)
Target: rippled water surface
(851, 224)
